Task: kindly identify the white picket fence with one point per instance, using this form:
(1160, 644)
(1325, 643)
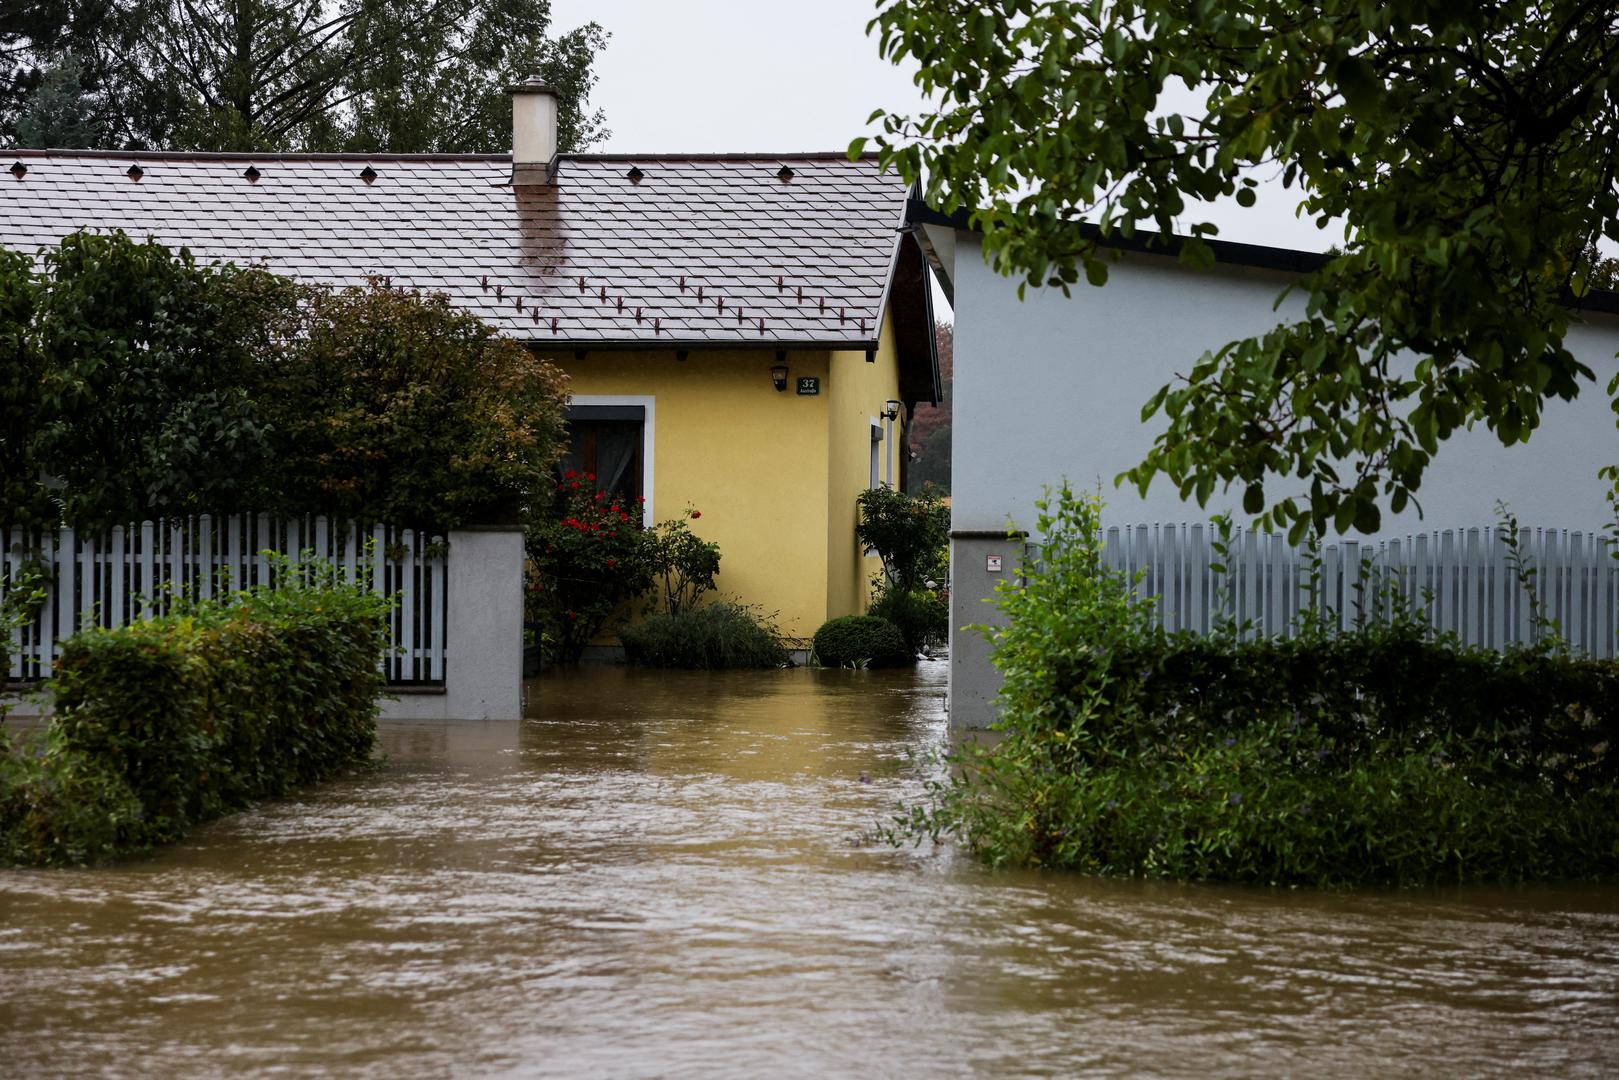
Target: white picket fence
(1460, 580)
(113, 577)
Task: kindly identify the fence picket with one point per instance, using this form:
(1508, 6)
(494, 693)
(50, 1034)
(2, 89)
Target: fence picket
(1460, 579)
(132, 573)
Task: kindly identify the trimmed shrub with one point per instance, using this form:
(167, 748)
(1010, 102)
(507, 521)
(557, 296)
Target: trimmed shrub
(861, 641)
(1384, 755)
(169, 722)
(723, 635)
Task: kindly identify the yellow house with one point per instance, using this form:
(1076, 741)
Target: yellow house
(745, 334)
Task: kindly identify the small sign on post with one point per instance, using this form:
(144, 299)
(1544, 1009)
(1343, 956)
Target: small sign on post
(809, 385)
(992, 563)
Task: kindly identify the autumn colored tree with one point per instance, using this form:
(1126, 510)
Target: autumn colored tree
(928, 437)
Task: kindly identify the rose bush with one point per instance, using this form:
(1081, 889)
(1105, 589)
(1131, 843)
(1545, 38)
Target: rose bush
(586, 557)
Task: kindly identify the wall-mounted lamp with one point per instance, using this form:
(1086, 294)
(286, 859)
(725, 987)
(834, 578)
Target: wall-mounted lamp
(890, 410)
(778, 376)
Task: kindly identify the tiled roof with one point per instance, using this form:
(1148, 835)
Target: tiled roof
(633, 251)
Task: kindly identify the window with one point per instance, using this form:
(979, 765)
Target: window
(876, 449)
(888, 457)
(610, 437)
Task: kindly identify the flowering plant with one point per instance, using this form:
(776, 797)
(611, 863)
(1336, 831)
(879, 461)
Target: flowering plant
(685, 562)
(586, 557)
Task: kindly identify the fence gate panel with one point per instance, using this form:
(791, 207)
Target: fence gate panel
(118, 575)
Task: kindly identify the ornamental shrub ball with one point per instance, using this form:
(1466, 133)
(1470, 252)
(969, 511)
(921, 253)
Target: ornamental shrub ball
(861, 640)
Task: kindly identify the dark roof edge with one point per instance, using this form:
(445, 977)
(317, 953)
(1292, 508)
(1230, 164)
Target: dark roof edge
(223, 155)
(1228, 252)
(232, 155)
(1231, 252)
(693, 345)
(805, 155)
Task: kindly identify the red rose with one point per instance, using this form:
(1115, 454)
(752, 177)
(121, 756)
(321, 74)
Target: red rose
(695, 514)
(611, 563)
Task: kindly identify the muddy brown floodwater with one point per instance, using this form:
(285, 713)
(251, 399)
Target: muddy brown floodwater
(656, 876)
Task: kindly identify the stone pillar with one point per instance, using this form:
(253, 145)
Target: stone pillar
(974, 682)
(483, 635)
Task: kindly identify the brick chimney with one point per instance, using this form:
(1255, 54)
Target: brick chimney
(534, 131)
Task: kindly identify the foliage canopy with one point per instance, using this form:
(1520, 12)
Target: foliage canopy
(139, 383)
(1467, 149)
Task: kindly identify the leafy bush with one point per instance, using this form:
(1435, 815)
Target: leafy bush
(860, 641)
(586, 557)
(910, 533)
(147, 384)
(165, 723)
(23, 501)
(395, 407)
(152, 368)
(922, 616)
(723, 635)
(1380, 755)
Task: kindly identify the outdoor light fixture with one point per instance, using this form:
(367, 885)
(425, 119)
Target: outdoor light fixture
(778, 375)
(890, 410)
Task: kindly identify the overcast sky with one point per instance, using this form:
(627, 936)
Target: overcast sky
(785, 75)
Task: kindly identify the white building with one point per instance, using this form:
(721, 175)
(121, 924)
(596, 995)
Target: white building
(1049, 388)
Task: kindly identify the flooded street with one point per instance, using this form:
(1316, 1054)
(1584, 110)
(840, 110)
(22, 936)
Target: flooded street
(657, 875)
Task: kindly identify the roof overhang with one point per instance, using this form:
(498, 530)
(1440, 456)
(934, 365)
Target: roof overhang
(937, 232)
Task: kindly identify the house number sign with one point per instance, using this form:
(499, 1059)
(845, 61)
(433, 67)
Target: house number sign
(809, 385)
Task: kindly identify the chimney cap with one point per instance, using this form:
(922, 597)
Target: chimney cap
(535, 85)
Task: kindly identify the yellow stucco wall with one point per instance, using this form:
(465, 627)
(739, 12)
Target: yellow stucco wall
(856, 395)
(751, 460)
(774, 474)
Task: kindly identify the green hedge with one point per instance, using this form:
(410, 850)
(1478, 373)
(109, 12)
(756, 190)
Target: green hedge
(720, 636)
(1385, 755)
(166, 723)
(860, 640)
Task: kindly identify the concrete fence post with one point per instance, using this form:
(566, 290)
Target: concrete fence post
(483, 632)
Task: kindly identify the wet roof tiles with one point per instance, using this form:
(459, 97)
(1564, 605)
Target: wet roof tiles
(698, 250)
